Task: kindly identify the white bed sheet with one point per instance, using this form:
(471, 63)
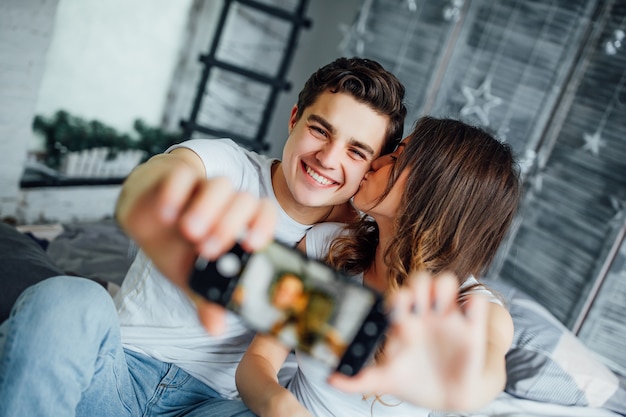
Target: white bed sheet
(508, 406)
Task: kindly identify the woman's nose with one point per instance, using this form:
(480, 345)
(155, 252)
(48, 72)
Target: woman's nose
(379, 162)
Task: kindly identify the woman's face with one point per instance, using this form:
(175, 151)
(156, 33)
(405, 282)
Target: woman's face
(374, 184)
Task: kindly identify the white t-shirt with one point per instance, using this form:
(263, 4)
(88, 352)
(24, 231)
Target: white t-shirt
(309, 383)
(157, 318)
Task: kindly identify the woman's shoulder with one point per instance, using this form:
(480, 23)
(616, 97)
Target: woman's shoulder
(473, 286)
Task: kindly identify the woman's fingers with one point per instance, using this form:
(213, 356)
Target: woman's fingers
(420, 287)
(435, 346)
(368, 380)
(434, 293)
(445, 290)
(476, 308)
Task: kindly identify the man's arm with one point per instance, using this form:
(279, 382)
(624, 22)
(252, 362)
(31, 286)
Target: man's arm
(173, 212)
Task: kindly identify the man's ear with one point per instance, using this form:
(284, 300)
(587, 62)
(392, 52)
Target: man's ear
(292, 118)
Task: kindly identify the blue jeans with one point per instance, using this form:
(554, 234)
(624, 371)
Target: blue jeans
(61, 355)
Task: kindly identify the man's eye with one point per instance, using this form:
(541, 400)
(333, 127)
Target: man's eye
(358, 154)
(319, 131)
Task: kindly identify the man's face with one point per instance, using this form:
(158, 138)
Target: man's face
(330, 148)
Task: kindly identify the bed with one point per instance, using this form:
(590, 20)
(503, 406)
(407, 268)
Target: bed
(550, 371)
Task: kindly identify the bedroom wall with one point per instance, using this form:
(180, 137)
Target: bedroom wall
(549, 78)
(113, 60)
(318, 46)
(110, 61)
(137, 88)
(25, 33)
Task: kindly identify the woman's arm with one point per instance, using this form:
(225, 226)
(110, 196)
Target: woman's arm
(438, 354)
(258, 384)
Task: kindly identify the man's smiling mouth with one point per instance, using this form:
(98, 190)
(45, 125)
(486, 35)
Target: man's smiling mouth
(320, 179)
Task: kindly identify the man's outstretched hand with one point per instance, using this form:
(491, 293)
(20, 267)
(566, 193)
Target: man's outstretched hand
(174, 213)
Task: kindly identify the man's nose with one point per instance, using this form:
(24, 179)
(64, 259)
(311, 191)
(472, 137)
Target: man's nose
(329, 156)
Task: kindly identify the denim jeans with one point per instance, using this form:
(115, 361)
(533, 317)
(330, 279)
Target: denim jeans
(61, 355)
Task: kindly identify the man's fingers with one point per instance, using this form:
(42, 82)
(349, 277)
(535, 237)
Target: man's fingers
(173, 193)
(262, 226)
(211, 198)
(232, 225)
(212, 316)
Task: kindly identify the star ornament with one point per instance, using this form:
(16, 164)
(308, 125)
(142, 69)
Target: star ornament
(593, 143)
(356, 34)
(479, 101)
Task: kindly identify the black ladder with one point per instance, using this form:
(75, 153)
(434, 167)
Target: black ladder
(276, 82)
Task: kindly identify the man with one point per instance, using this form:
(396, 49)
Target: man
(197, 198)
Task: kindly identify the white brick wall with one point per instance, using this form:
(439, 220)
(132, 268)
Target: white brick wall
(67, 204)
(25, 32)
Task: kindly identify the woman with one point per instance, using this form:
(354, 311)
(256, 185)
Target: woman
(442, 201)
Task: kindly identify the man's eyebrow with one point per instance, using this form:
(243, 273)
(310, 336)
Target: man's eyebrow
(363, 146)
(319, 119)
(328, 126)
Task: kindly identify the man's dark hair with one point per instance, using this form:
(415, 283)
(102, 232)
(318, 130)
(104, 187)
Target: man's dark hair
(369, 83)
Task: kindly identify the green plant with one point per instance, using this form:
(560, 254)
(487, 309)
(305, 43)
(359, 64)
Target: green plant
(64, 133)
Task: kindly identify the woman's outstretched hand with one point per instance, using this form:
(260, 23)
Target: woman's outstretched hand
(436, 348)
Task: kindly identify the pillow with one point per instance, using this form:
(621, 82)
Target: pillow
(548, 363)
(98, 250)
(24, 263)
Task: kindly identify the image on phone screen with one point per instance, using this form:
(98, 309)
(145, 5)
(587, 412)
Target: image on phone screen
(302, 302)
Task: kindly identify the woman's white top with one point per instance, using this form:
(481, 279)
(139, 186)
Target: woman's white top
(309, 384)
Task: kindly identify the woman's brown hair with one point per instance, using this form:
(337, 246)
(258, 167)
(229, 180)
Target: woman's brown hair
(461, 195)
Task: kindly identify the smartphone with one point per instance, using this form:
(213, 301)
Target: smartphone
(302, 302)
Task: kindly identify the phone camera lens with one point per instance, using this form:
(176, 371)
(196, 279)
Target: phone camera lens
(358, 350)
(228, 265)
(370, 329)
(214, 294)
(346, 369)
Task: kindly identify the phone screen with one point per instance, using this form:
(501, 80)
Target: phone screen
(302, 302)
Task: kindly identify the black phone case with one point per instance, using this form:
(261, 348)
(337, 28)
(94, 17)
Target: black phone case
(217, 280)
(364, 344)
(216, 286)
